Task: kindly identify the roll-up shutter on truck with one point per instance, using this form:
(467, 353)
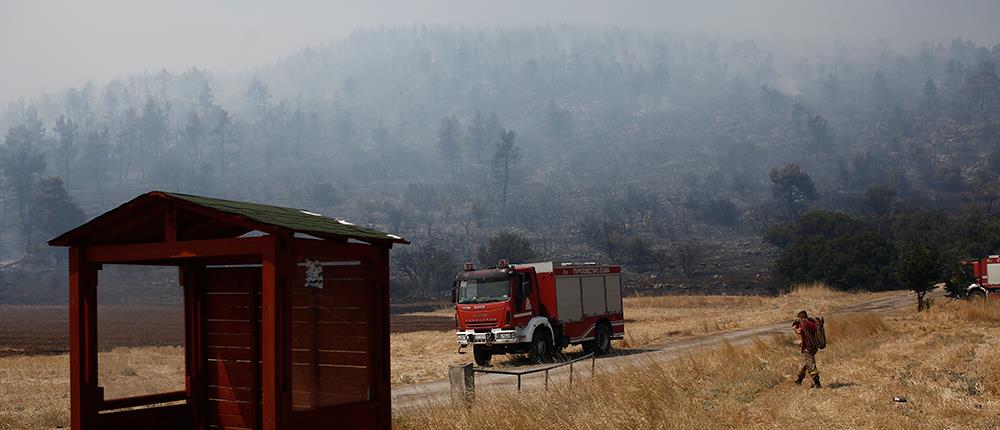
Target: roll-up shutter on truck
(613, 291)
(568, 298)
(993, 273)
(593, 295)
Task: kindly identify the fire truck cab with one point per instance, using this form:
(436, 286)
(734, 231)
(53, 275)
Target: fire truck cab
(537, 308)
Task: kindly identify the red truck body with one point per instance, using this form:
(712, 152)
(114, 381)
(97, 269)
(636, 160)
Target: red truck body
(987, 277)
(538, 308)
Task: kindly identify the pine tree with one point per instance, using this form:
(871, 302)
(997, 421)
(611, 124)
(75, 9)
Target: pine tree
(506, 158)
(793, 188)
(21, 162)
(54, 211)
(449, 136)
(67, 130)
(918, 270)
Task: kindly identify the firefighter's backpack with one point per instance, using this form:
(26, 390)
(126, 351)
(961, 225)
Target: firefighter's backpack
(820, 333)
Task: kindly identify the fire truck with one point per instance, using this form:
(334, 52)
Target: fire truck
(537, 308)
(987, 277)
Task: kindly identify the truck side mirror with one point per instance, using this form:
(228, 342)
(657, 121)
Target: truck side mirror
(454, 293)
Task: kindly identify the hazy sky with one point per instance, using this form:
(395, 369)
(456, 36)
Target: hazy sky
(52, 44)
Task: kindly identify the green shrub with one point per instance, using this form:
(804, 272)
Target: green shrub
(843, 251)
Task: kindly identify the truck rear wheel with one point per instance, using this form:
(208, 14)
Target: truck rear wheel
(602, 340)
(541, 346)
(482, 355)
(978, 294)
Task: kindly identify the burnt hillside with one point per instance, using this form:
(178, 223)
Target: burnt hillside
(669, 154)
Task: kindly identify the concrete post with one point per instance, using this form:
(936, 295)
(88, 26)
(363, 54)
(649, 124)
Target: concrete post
(463, 384)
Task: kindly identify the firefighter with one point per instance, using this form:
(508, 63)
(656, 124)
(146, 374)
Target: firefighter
(805, 327)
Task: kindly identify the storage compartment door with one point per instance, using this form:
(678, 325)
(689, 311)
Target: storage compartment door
(613, 291)
(993, 274)
(593, 295)
(568, 298)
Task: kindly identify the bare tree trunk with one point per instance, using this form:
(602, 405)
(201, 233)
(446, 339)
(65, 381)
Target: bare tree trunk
(506, 178)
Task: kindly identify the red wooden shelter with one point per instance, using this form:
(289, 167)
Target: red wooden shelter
(286, 315)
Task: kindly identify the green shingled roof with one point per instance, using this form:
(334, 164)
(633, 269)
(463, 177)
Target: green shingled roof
(293, 219)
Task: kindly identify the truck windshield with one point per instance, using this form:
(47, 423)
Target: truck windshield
(483, 290)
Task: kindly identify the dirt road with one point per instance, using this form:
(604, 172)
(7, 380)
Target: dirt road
(408, 396)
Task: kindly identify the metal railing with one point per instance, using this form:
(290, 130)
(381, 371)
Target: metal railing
(546, 369)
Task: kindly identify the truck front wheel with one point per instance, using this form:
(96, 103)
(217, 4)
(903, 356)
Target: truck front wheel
(540, 349)
(482, 355)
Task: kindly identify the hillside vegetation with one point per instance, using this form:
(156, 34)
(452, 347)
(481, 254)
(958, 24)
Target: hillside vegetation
(668, 153)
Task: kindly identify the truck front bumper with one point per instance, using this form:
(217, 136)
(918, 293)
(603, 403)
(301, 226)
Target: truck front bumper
(492, 337)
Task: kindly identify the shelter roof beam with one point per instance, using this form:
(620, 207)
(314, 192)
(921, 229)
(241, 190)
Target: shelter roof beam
(183, 249)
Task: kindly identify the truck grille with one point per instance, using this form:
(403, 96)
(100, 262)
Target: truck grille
(481, 324)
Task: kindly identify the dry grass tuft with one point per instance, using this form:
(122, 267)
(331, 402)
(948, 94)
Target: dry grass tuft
(983, 311)
(695, 301)
(854, 326)
(816, 290)
(980, 310)
(991, 372)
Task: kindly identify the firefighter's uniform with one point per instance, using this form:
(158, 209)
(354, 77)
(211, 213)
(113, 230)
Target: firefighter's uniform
(806, 329)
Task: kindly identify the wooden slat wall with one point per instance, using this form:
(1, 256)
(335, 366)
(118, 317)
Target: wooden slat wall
(233, 363)
(331, 331)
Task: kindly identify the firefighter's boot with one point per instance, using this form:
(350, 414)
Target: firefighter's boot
(816, 383)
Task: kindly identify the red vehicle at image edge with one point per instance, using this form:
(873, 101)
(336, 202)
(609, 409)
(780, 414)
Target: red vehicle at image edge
(537, 308)
(987, 274)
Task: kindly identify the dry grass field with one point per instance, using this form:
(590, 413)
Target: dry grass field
(34, 389)
(424, 355)
(943, 362)
(660, 319)
(136, 358)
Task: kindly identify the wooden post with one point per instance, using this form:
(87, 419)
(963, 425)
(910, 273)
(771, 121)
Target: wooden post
(380, 343)
(84, 391)
(255, 321)
(275, 390)
(463, 384)
(194, 345)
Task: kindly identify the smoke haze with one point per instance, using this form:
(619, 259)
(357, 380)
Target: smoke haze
(49, 45)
